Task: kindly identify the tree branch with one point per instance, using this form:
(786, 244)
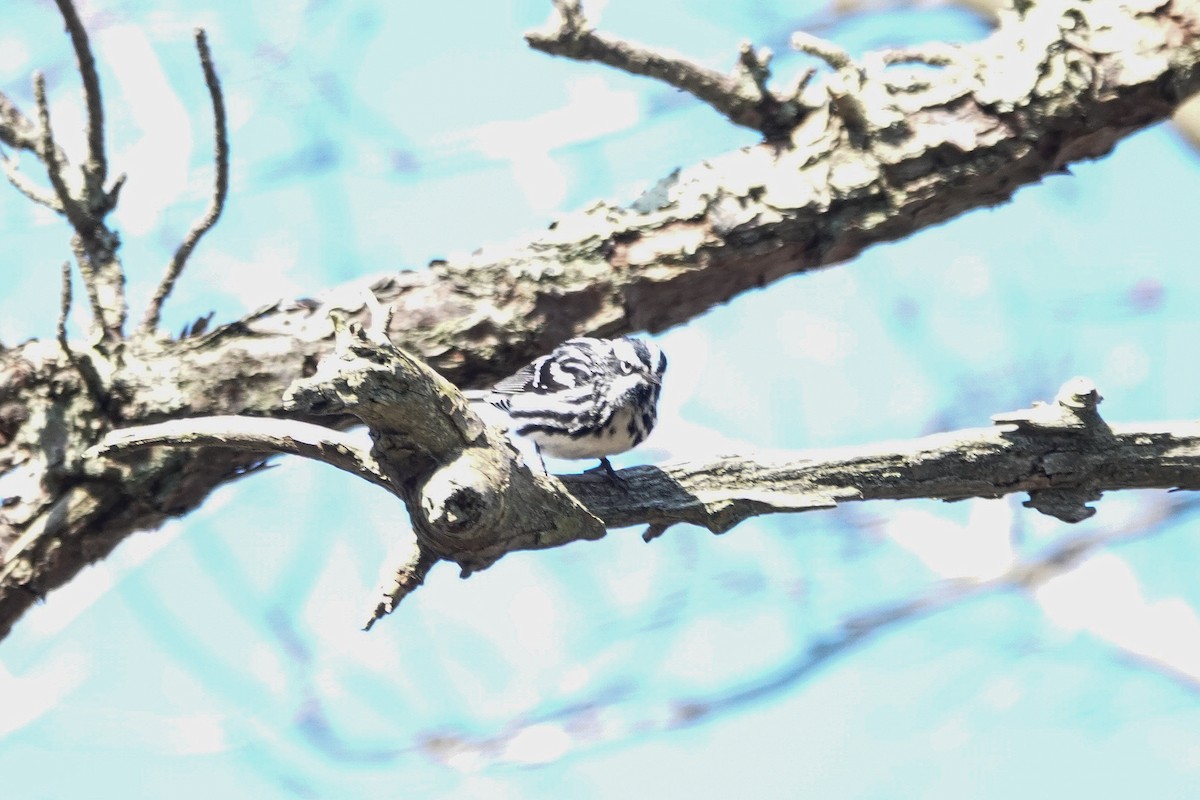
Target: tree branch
(64, 308)
(16, 129)
(50, 155)
(96, 166)
(1063, 454)
(742, 96)
(863, 93)
(1047, 451)
(22, 184)
(220, 188)
(94, 245)
(1044, 91)
(255, 434)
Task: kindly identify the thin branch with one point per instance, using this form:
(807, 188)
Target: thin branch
(48, 152)
(743, 96)
(16, 129)
(832, 54)
(92, 381)
(113, 194)
(96, 163)
(220, 188)
(1063, 454)
(84, 225)
(410, 564)
(64, 307)
(25, 186)
(259, 434)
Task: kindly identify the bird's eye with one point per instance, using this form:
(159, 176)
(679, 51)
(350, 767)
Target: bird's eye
(626, 367)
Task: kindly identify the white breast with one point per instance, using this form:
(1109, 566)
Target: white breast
(614, 439)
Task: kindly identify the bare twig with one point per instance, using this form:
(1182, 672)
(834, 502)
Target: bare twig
(220, 189)
(84, 225)
(22, 184)
(113, 194)
(832, 54)
(96, 165)
(742, 96)
(291, 437)
(64, 307)
(48, 152)
(16, 129)
(410, 563)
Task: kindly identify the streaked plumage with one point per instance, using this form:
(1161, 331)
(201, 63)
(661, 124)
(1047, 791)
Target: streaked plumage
(589, 398)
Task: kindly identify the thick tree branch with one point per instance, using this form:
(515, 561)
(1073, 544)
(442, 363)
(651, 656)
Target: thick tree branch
(1063, 454)
(220, 188)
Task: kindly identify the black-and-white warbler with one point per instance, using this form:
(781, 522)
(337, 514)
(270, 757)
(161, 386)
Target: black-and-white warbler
(589, 398)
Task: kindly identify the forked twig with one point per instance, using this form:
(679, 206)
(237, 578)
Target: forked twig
(742, 95)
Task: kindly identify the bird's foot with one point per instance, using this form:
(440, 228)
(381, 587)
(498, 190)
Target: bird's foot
(608, 470)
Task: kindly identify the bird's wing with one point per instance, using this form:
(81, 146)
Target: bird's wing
(520, 381)
(568, 367)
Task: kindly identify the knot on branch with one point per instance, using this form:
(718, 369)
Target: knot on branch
(1069, 505)
(470, 497)
(1072, 412)
(461, 500)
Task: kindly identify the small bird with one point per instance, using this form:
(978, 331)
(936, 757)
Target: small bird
(589, 398)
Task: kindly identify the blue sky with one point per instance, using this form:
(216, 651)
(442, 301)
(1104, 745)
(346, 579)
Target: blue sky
(220, 656)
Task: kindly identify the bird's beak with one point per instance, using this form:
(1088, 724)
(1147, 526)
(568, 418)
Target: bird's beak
(650, 376)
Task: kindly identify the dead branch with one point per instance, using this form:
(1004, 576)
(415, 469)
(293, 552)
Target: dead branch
(220, 188)
(1046, 90)
(254, 434)
(16, 129)
(1062, 454)
(96, 165)
(55, 167)
(742, 96)
(25, 186)
(64, 307)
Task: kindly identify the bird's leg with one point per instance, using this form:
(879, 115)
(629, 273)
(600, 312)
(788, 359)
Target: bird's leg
(537, 448)
(605, 467)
